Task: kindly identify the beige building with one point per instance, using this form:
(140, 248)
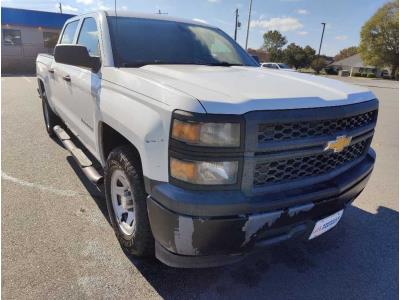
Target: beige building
(354, 64)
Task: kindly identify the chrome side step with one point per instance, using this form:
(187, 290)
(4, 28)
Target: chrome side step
(84, 162)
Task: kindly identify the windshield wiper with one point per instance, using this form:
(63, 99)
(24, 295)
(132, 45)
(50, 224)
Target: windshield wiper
(223, 64)
(139, 64)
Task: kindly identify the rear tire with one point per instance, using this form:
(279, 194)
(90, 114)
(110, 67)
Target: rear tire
(50, 118)
(126, 201)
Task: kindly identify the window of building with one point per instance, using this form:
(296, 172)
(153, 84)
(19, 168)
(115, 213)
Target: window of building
(69, 33)
(50, 39)
(12, 37)
(89, 37)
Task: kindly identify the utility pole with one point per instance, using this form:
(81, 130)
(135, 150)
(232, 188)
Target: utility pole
(236, 21)
(60, 7)
(248, 24)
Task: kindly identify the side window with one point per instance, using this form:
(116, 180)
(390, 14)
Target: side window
(89, 37)
(11, 37)
(69, 32)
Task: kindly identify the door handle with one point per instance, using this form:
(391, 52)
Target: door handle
(67, 78)
(51, 71)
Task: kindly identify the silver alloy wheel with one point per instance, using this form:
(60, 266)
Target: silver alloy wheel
(122, 202)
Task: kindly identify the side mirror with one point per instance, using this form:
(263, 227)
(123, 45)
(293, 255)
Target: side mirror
(76, 55)
(255, 57)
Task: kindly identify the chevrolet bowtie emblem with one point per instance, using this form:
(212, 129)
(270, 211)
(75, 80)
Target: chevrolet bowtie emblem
(339, 144)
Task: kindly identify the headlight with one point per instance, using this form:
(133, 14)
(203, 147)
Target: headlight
(206, 134)
(204, 172)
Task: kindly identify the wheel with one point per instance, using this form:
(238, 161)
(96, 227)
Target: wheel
(50, 118)
(126, 201)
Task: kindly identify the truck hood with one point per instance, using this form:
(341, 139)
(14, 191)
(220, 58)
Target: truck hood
(237, 90)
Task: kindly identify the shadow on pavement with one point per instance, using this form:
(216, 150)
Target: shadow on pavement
(357, 259)
(96, 192)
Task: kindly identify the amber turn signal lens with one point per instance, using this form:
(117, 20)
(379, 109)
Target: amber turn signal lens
(204, 172)
(183, 170)
(184, 131)
(206, 134)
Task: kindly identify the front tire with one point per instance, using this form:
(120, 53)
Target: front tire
(126, 201)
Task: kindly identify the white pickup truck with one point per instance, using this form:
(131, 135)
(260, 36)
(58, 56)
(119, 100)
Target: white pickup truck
(205, 156)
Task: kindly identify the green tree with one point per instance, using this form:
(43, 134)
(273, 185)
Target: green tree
(275, 55)
(310, 55)
(273, 43)
(318, 64)
(346, 52)
(379, 44)
(295, 56)
(273, 39)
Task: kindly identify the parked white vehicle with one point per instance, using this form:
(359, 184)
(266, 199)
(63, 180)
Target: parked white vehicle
(277, 66)
(205, 157)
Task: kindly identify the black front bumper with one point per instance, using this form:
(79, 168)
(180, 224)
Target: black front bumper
(194, 229)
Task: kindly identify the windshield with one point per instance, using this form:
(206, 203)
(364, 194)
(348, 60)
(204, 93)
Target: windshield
(138, 42)
(284, 66)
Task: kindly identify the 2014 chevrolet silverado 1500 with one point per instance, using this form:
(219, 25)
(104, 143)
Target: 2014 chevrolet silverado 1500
(206, 156)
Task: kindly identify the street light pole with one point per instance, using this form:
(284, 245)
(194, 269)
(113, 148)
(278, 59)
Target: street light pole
(322, 37)
(320, 45)
(248, 24)
(236, 21)
(60, 7)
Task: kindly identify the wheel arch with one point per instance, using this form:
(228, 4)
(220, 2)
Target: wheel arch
(110, 138)
(41, 87)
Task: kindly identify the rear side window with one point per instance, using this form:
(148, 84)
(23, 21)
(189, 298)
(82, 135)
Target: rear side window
(69, 33)
(89, 36)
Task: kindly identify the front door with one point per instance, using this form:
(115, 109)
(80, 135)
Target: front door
(57, 73)
(82, 88)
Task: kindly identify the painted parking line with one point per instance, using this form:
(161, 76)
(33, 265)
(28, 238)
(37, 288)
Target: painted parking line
(40, 187)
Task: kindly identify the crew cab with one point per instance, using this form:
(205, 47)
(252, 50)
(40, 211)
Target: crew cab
(205, 157)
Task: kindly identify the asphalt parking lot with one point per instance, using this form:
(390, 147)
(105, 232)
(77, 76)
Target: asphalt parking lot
(57, 242)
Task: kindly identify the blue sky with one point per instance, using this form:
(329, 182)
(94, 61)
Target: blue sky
(299, 20)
